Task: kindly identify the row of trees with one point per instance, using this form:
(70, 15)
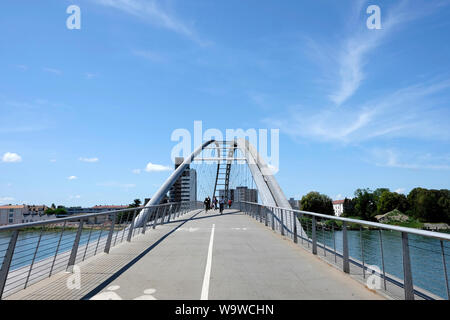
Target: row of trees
(422, 204)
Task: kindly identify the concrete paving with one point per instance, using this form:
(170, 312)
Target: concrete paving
(182, 260)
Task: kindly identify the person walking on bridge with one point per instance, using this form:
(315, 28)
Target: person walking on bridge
(215, 203)
(221, 205)
(207, 203)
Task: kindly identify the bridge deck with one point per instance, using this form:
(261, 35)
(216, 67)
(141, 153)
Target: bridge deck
(248, 261)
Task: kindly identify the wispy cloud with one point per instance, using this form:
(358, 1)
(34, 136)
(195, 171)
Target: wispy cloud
(90, 75)
(394, 159)
(150, 11)
(149, 55)
(91, 160)
(52, 70)
(22, 67)
(6, 199)
(136, 171)
(115, 184)
(344, 63)
(72, 178)
(417, 111)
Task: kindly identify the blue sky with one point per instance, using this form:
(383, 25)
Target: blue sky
(355, 107)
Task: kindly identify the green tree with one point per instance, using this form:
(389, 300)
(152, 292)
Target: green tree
(365, 204)
(349, 208)
(136, 203)
(389, 201)
(316, 202)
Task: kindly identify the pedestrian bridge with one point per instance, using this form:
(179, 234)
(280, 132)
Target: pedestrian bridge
(264, 250)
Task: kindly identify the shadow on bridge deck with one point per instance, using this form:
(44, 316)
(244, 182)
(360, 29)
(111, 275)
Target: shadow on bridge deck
(183, 260)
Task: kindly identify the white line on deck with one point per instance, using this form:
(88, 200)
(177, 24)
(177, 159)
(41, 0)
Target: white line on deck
(205, 287)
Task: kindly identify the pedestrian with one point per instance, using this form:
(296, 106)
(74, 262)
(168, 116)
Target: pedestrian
(229, 203)
(221, 205)
(215, 203)
(206, 204)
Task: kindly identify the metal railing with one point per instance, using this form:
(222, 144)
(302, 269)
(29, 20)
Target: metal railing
(411, 263)
(31, 252)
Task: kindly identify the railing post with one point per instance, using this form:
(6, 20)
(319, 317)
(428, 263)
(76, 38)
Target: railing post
(260, 215)
(294, 218)
(130, 231)
(110, 234)
(382, 258)
(266, 223)
(87, 244)
(445, 270)
(407, 273)
(314, 236)
(282, 221)
(7, 261)
(156, 216)
(57, 248)
(345, 260)
(73, 254)
(273, 219)
(34, 258)
(301, 230)
(171, 207)
(144, 225)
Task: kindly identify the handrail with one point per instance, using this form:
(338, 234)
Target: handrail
(77, 217)
(313, 237)
(426, 233)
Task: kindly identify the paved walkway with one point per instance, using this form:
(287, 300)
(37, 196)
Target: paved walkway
(204, 256)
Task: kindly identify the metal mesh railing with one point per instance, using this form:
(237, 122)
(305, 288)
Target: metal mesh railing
(402, 262)
(34, 251)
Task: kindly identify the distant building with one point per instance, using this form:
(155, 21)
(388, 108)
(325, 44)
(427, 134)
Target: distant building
(338, 206)
(230, 195)
(245, 194)
(96, 209)
(185, 188)
(15, 214)
(295, 204)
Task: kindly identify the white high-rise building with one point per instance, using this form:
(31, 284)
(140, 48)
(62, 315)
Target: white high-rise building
(185, 188)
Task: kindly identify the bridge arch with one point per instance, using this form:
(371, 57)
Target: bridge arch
(269, 191)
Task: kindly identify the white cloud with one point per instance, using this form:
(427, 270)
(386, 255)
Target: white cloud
(116, 184)
(338, 197)
(52, 160)
(344, 63)
(415, 111)
(400, 190)
(394, 159)
(136, 171)
(149, 55)
(11, 157)
(151, 12)
(72, 178)
(51, 70)
(6, 199)
(156, 168)
(75, 197)
(90, 75)
(89, 159)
